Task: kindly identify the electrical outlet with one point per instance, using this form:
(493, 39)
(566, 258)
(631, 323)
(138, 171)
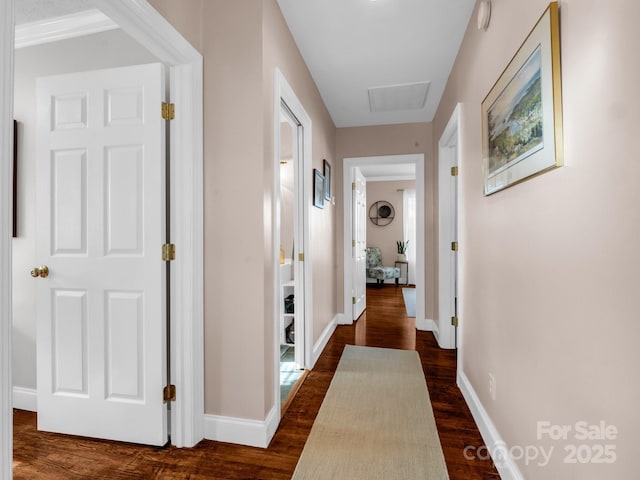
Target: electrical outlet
(492, 386)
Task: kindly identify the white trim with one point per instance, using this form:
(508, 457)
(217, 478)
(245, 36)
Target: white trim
(436, 331)
(187, 276)
(318, 347)
(342, 319)
(254, 433)
(61, 28)
(6, 200)
(347, 166)
(285, 92)
(507, 468)
(149, 28)
(448, 156)
(25, 399)
(426, 325)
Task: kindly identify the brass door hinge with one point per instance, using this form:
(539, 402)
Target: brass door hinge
(454, 321)
(454, 246)
(353, 243)
(168, 252)
(353, 300)
(301, 257)
(454, 171)
(168, 111)
(169, 393)
(353, 185)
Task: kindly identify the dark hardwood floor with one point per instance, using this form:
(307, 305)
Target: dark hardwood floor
(385, 324)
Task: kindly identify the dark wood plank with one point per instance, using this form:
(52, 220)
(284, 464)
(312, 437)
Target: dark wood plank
(384, 324)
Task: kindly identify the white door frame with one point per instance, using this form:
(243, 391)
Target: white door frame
(448, 156)
(284, 92)
(6, 201)
(348, 163)
(143, 23)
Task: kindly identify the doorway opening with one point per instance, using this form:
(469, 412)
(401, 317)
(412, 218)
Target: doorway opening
(291, 286)
(153, 32)
(33, 66)
(293, 309)
(447, 327)
(354, 278)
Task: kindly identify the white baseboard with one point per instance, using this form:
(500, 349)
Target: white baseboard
(25, 399)
(426, 325)
(436, 331)
(254, 433)
(323, 340)
(507, 468)
(343, 319)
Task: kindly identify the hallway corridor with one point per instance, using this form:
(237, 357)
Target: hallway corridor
(384, 324)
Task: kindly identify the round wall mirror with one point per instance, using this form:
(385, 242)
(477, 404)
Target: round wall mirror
(381, 213)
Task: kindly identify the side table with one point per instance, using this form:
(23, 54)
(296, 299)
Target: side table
(406, 271)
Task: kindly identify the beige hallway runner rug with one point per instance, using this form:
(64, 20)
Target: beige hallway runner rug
(376, 422)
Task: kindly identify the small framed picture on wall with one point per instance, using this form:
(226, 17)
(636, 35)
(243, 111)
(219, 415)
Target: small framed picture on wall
(327, 180)
(318, 189)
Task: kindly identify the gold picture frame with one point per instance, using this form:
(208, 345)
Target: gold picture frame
(522, 113)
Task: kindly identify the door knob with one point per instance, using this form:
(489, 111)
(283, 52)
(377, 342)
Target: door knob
(42, 272)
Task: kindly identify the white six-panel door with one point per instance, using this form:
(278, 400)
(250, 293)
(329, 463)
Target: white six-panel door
(359, 220)
(101, 338)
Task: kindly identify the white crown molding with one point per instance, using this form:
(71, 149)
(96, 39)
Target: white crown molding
(61, 28)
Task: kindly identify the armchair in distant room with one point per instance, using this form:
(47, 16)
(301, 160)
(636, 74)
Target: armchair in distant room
(376, 270)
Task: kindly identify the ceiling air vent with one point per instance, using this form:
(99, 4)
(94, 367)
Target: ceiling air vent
(409, 96)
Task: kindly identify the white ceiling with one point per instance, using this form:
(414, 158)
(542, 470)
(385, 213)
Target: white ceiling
(27, 11)
(380, 173)
(353, 45)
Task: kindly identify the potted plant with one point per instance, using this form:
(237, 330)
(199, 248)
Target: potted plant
(402, 250)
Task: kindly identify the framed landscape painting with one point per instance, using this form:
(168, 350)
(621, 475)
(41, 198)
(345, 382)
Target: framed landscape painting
(522, 114)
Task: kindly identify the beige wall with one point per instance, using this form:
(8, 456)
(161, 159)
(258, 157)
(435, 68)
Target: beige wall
(242, 43)
(235, 328)
(385, 237)
(186, 16)
(391, 140)
(550, 271)
(280, 51)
